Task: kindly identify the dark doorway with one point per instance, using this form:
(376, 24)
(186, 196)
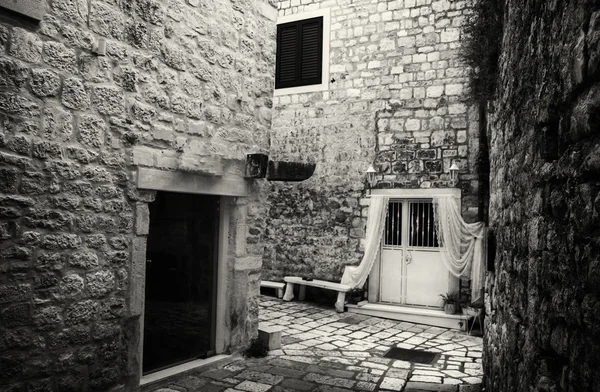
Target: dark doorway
(181, 255)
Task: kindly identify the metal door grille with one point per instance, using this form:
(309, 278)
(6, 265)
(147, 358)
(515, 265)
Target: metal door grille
(422, 228)
(393, 224)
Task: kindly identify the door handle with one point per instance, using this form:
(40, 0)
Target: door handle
(408, 257)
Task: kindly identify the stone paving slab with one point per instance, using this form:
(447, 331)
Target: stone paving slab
(321, 353)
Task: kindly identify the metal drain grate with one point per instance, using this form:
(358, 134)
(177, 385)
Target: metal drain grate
(416, 356)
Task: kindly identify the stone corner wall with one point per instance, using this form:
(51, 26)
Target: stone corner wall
(543, 303)
(184, 86)
(394, 100)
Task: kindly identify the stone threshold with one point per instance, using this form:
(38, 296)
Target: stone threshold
(433, 317)
(194, 365)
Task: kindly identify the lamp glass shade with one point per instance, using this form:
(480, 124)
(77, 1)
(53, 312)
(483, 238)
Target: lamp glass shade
(371, 172)
(453, 171)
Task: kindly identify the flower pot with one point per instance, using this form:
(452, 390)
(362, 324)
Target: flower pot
(356, 297)
(450, 308)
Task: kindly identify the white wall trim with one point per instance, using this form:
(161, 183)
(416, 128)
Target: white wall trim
(324, 86)
(416, 193)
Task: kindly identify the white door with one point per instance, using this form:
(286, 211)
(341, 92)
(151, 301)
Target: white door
(411, 271)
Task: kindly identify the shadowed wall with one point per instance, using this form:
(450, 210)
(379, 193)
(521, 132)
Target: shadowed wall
(543, 303)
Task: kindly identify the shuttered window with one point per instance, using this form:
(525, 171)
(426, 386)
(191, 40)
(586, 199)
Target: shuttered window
(299, 53)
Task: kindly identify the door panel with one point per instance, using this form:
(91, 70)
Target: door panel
(411, 270)
(391, 275)
(426, 275)
(392, 264)
(180, 279)
(426, 278)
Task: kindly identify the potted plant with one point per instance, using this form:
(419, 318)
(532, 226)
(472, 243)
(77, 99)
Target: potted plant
(356, 295)
(449, 301)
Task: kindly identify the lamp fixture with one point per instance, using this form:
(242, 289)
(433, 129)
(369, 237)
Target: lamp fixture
(371, 179)
(454, 169)
(371, 176)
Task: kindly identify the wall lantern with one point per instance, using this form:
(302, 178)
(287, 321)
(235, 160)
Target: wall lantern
(454, 173)
(371, 178)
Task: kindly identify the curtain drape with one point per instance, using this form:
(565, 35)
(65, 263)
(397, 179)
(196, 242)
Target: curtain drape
(356, 276)
(462, 244)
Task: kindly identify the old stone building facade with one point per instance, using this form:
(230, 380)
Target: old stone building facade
(392, 97)
(182, 93)
(543, 303)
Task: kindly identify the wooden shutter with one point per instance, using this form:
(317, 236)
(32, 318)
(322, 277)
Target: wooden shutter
(299, 53)
(287, 59)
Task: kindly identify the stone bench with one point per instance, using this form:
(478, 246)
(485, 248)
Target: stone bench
(342, 289)
(270, 336)
(274, 285)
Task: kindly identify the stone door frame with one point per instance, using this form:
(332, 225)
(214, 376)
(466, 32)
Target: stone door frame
(233, 192)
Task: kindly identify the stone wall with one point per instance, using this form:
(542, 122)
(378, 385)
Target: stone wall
(394, 100)
(543, 303)
(183, 86)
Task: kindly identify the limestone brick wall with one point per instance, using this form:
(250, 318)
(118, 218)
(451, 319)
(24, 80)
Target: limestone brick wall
(394, 100)
(184, 86)
(543, 302)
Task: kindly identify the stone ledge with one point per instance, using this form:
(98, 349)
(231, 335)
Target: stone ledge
(290, 171)
(157, 378)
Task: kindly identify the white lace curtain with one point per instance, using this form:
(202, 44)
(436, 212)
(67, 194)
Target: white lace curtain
(356, 276)
(462, 243)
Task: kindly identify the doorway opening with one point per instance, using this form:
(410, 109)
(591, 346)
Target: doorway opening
(412, 272)
(181, 276)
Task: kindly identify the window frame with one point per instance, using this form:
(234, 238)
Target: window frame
(324, 85)
(299, 49)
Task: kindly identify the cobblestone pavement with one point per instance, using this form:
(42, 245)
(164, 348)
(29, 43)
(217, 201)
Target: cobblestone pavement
(321, 353)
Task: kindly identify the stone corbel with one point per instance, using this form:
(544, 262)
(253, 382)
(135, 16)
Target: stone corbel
(259, 166)
(32, 9)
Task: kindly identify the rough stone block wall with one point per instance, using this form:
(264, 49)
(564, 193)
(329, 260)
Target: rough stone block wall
(395, 101)
(543, 302)
(184, 85)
